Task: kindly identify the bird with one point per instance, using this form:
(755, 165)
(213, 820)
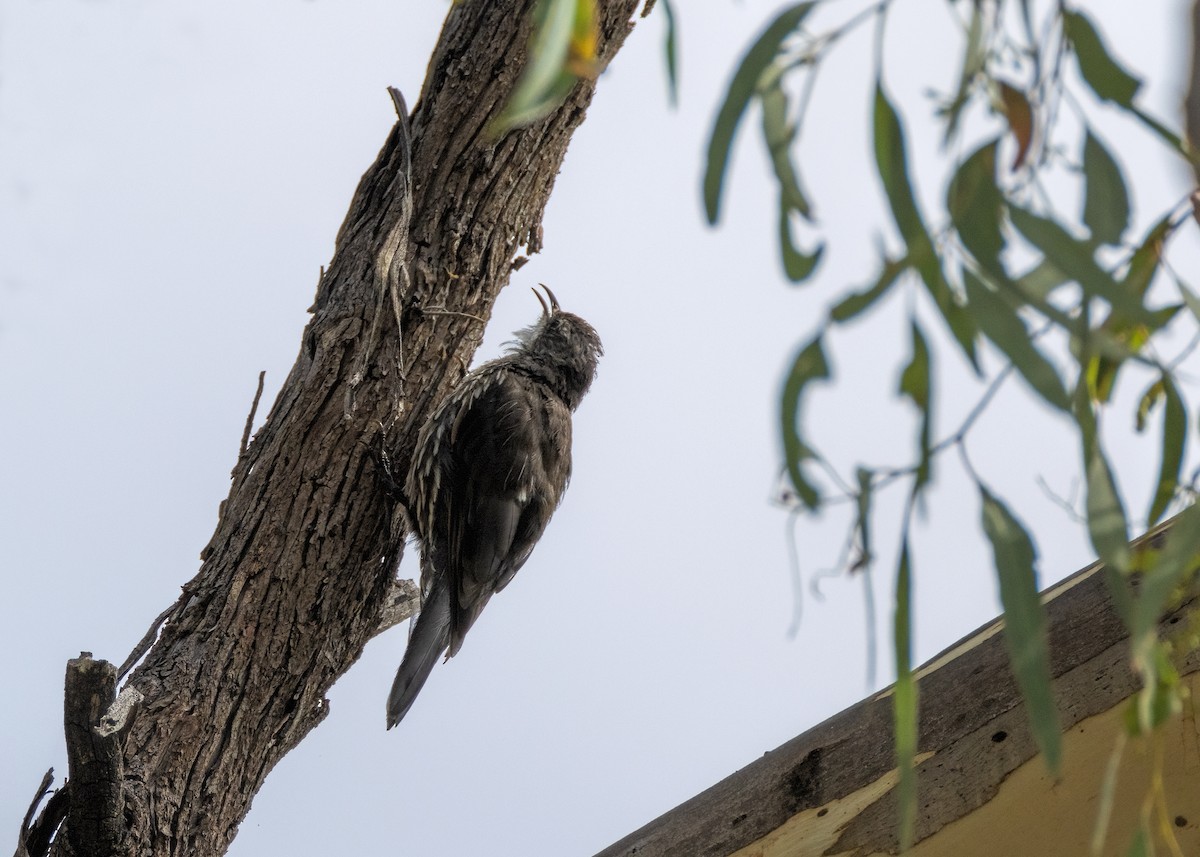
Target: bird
(489, 469)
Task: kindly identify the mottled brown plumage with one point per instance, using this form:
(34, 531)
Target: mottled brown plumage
(490, 468)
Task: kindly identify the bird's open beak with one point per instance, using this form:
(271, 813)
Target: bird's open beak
(553, 307)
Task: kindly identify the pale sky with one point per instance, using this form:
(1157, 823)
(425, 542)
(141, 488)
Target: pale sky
(172, 176)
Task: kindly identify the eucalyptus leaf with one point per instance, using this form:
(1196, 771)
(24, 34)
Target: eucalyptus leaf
(545, 80)
(671, 52)
(810, 365)
(974, 60)
(797, 264)
(859, 302)
(1106, 520)
(1144, 263)
(1106, 200)
(1019, 113)
(1174, 444)
(1164, 133)
(863, 519)
(1107, 78)
(1171, 566)
(891, 161)
(761, 54)
(1075, 259)
(1024, 624)
(1190, 299)
(778, 135)
(915, 383)
(1149, 401)
(1040, 280)
(1001, 324)
(976, 207)
(905, 702)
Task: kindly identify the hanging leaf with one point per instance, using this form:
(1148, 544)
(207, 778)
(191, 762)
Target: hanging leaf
(797, 265)
(1116, 341)
(1168, 569)
(891, 161)
(1155, 393)
(778, 134)
(1143, 265)
(961, 323)
(916, 385)
(1165, 134)
(862, 522)
(1110, 81)
(859, 302)
(810, 366)
(671, 53)
(1106, 203)
(1074, 258)
(905, 702)
(1024, 624)
(1159, 698)
(1190, 299)
(1001, 324)
(1020, 121)
(1117, 328)
(562, 50)
(974, 62)
(1106, 519)
(1039, 281)
(1103, 74)
(976, 207)
(1174, 442)
(761, 54)
(582, 59)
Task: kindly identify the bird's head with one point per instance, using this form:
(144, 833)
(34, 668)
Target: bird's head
(561, 349)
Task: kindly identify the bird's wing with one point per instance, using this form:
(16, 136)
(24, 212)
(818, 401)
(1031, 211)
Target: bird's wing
(552, 421)
(497, 480)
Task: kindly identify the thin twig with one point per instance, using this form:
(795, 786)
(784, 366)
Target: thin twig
(872, 641)
(793, 519)
(966, 463)
(47, 781)
(960, 434)
(842, 563)
(36, 841)
(450, 312)
(145, 643)
(1062, 502)
(250, 417)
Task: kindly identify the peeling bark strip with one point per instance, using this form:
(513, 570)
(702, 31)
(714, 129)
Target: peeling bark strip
(296, 576)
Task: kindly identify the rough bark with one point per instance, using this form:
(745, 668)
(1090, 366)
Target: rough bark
(297, 575)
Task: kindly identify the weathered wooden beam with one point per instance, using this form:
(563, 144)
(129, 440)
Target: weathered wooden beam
(830, 791)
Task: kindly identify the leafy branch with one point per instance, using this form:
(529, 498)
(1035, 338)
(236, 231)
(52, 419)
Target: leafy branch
(1084, 298)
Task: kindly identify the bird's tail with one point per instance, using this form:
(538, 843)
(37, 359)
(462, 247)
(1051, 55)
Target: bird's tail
(430, 637)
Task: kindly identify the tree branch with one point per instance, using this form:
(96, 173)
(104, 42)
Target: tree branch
(96, 799)
(297, 575)
(34, 838)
